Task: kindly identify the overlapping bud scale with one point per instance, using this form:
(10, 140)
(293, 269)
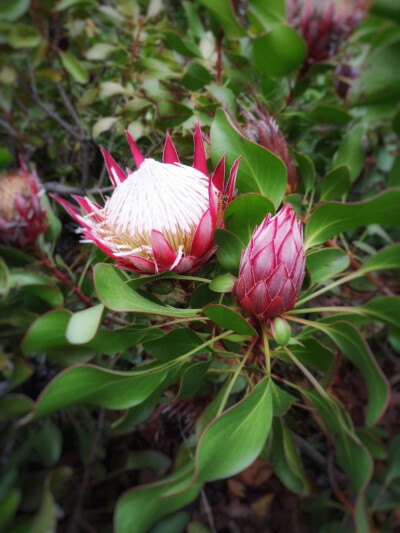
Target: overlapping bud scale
(161, 217)
(272, 267)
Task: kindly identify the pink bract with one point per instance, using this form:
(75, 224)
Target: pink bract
(272, 267)
(162, 217)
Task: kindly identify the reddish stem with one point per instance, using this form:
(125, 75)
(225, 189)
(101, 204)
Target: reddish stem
(63, 278)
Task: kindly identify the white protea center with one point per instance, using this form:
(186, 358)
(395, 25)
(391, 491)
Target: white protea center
(158, 196)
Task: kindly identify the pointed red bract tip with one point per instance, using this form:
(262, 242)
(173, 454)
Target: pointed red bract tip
(115, 172)
(200, 161)
(170, 155)
(218, 176)
(136, 154)
(230, 188)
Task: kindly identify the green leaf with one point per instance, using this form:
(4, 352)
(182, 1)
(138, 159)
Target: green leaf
(225, 14)
(280, 51)
(183, 46)
(325, 263)
(336, 183)
(355, 460)
(54, 228)
(222, 283)
(379, 78)
(23, 36)
(229, 250)
(140, 508)
(14, 405)
(102, 125)
(45, 519)
(227, 318)
(352, 344)
(333, 218)
(233, 440)
(259, 171)
(351, 152)
(281, 399)
(74, 67)
(313, 354)
(48, 334)
(267, 13)
(48, 443)
(66, 4)
(245, 212)
(93, 385)
(394, 458)
(47, 331)
(118, 296)
(12, 10)
(4, 278)
(352, 455)
(394, 174)
(287, 463)
(152, 459)
(306, 170)
(173, 344)
(100, 51)
(83, 325)
(175, 523)
(38, 284)
(192, 379)
(386, 259)
(384, 308)
(9, 504)
(196, 77)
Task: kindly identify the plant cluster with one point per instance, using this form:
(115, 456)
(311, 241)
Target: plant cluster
(210, 341)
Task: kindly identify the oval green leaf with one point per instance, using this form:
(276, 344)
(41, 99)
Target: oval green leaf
(118, 296)
(333, 218)
(227, 318)
(233, 440)
(280, 51)
(259, 171)
(245, 212)
(83, 325)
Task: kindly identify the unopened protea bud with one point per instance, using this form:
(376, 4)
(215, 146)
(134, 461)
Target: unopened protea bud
(272, 266)
(263, 129)
(22, 217)
(162, 216)
(324, 24)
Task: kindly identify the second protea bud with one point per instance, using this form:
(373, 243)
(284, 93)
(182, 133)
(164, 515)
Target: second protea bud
(22, 217)
(272, 267)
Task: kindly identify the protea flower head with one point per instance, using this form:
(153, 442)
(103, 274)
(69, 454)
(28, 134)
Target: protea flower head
(324, 24)
(272, 266)
(22, 217)
(262, 128)
(162, 216)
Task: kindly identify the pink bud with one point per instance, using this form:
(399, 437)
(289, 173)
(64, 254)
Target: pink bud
(324, 24)
(22, 217)
(272, 266)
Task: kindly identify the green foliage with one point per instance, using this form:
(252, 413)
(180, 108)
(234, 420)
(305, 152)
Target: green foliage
(123, 396)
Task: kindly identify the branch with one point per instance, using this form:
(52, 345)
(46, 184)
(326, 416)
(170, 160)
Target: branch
(52, 114)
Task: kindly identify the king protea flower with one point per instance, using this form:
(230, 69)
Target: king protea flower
(22, 217)
(162, 216)
(272, 266)
(324, 24)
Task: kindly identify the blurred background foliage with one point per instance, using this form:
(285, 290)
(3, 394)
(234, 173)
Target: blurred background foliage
(77, 73)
